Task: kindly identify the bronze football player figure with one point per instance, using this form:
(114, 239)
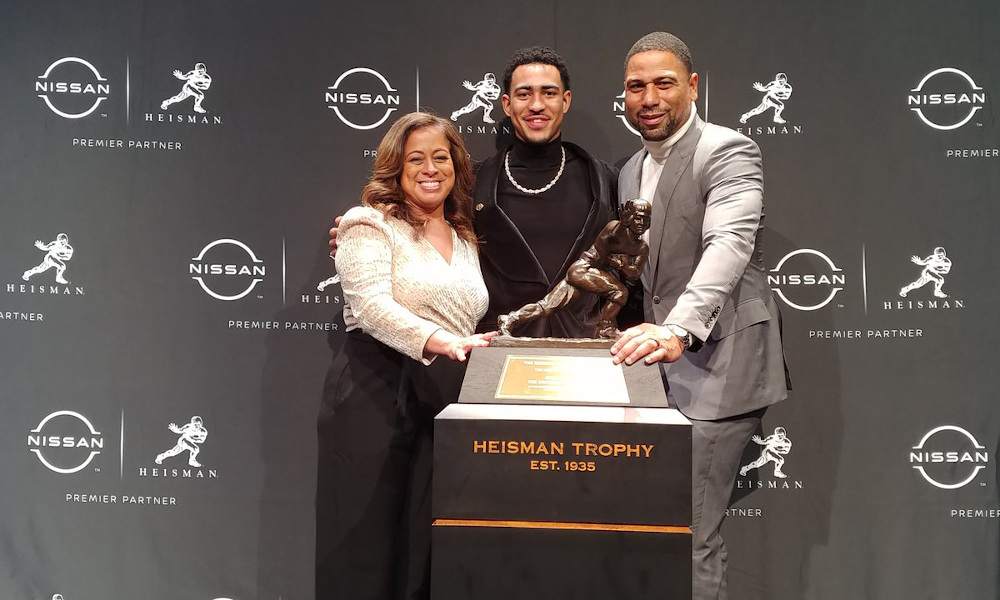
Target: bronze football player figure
(619, 247)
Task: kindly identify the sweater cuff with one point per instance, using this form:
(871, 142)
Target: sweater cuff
(426, 332)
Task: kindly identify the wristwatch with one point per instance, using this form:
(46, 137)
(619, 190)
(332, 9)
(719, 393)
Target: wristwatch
(683, 334)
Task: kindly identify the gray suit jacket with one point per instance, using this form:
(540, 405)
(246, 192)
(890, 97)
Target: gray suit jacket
(705, 273)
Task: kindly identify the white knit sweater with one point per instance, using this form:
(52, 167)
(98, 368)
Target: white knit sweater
(397, 286)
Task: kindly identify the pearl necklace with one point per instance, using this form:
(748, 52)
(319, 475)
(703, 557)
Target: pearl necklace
(506, 167)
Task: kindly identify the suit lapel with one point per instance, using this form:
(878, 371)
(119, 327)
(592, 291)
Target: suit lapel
(628, 182)
(678, 160)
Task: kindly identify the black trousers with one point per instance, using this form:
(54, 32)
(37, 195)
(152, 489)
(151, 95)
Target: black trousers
(373, 511)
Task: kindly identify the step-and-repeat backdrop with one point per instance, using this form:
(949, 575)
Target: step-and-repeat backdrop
(168, 171)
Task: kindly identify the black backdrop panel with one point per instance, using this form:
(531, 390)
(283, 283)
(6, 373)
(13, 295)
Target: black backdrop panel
(197, 292)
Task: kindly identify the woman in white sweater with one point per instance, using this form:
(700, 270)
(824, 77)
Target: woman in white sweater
(413, 290)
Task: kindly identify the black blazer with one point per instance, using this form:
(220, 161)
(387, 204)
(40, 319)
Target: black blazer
(513, 274)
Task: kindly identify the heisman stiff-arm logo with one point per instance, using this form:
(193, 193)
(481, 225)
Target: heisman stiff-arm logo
(196, 83)
(192, 436)
(57, 252)
(486, 91)
(775, 93)
(936, 265)
(328, 282)
(773, 449)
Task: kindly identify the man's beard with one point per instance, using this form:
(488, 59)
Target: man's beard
(659, 133)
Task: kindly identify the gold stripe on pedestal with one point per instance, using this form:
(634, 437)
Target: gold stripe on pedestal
(560, 525)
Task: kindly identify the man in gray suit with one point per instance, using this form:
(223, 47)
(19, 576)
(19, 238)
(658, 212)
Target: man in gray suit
(712, 322)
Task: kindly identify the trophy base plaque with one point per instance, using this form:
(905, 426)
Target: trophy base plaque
(555, 371)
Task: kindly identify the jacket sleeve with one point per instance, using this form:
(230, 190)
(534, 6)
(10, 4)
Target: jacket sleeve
(731, 178)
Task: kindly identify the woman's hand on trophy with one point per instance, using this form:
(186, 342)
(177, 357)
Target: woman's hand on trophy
(454, 347)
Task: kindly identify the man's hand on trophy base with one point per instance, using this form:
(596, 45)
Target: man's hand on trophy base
(654, 343)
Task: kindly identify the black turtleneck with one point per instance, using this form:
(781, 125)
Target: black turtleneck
(551, 221)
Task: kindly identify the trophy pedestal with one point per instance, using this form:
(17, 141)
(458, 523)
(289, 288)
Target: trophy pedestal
(547, 485)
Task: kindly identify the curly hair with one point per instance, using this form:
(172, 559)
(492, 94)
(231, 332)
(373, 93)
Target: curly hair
(383, 191)
(542, 55)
